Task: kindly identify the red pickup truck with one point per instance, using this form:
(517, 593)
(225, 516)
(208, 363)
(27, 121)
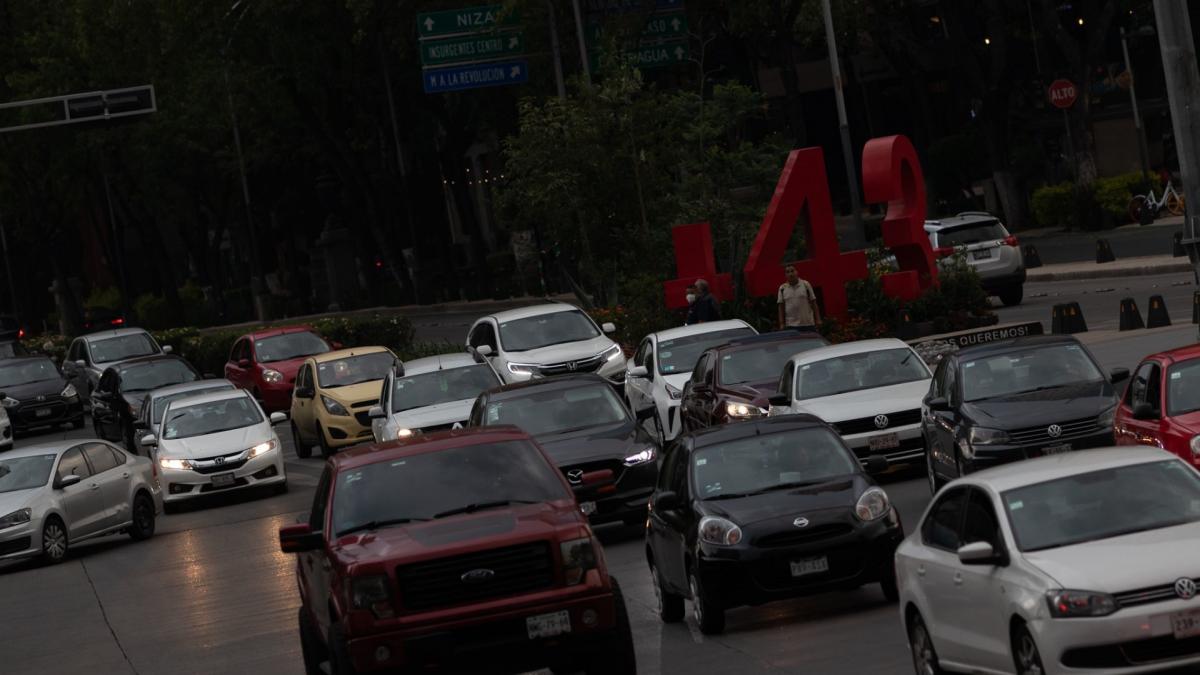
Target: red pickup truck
(462, 550)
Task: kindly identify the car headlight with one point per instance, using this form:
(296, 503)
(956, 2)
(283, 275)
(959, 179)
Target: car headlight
(521, 368)
(646, 455)
(404, 433)
(983, 436)
(1106, 418)
(272, 376)
(743, 410)
(872, 505)
(578, 556)
(1066, 604)
(333, 407)
(261, 449)
(16, 518)
(674, 393)
(175, 464)
(69, 391)
(372, 592)
(611, 353)
(720, 531)
(9, 402)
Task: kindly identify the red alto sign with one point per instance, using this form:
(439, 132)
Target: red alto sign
(1062, 93)
(891, 175)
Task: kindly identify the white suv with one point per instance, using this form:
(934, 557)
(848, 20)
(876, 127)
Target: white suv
(546, 340)
(989, 248)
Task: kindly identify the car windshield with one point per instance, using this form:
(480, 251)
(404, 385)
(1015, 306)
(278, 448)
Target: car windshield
(763, 362)
(422, 486)
(25, 372)
(680, 355)
(354, 369)
(11, 349)
(1027, 370)
(441, 386)
(288, 346)
(1103, 504)
(974, 233)
(771, 461)
(147, 376)
(1183, 388)
(557, 411)
(24, 473)
(210, 418)
(521, 335)
(160, 403)
(855, 372)
(121, 348)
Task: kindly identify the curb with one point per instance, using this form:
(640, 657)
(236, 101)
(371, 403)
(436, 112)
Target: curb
(1107, 272)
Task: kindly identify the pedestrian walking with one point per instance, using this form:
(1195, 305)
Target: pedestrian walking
(705, 308)
(797, 302)
(692, 294)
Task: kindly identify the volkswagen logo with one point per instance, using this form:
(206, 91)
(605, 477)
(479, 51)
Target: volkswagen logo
(1054, 431)
(881, 421)
(575, 476)
(478, 576)
(800, 522)
(218, 460)
(1185, 588)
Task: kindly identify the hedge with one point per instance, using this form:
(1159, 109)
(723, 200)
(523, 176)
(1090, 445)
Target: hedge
(1054, 205)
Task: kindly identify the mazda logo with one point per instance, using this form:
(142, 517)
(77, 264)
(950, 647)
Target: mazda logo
(881, 421)
(218, 460)
(1054, 431)
(1185, 588)
(800, 522)
(575, 476)
(477, 576)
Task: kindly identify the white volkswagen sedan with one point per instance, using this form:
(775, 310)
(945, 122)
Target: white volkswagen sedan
(217, 442)
(430, 394)
(869, 390)
(664, 361)
(1086, 562)
(544, 341)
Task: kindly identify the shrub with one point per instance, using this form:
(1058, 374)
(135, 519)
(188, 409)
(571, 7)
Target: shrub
(1113, 193)
(853, 328)
(1054, 205)
(642, 310)
(103, 298)
(154, 312)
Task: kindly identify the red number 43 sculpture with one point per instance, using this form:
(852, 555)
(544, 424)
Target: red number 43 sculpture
(891, 174)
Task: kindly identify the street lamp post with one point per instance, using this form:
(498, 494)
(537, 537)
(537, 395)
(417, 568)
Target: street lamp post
(1137, 117)
(843, 124)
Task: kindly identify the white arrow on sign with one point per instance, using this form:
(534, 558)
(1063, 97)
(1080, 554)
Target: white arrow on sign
(512, 42)
(679, 53)
(675, 24)
(515, 72)
(429, 24)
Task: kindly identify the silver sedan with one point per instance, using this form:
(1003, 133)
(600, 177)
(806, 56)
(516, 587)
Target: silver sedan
(55, 495)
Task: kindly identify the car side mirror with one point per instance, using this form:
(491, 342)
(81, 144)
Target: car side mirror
(278, 418)
(592, 478)
(484, 350)
(149, 440)
(140, 425)
(1118, 375)
(638, 371)
(938, 404)
(167, 349)
(981, 553)
(780, 400)
(876, 464)
(66, 481)
(243, 363)
(666, 501)
(299, 538)
(646, 413)
(1144, 411)
(376, 412)
(608, 327)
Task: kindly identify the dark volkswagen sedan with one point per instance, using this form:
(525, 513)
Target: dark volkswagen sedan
(35, 394)
(766, 510)
(582, 425)
(1016, 399)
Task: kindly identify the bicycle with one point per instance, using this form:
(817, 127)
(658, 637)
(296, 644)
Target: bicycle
(1172, 200)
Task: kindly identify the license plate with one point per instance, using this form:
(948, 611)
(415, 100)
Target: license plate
(981, 255)
(1056, 449)
(884, 442)
(222, 480)
(801, 568)
(548, 625)
(1186, 624)
(43, 412)
(587, 508)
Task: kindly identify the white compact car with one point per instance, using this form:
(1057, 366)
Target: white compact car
(59, 494)
(1086, 562)
(217, 442)
(155, 403)
(869, 390)
(430, 394)
(664, 361)
(544, 341)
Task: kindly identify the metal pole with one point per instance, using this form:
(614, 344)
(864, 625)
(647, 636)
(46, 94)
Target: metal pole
(1070, 143)
(118, 243)
(1037, 57)
(583, 56)
(1137, 117)
(402, 166)
(556, 50)
(12, 289)
(255, 280)
(843, 124)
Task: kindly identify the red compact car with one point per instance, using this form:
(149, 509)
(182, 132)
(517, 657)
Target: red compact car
(266, 363)
(463, 550)
(1161, 405)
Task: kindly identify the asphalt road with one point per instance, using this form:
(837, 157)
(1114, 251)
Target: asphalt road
(1127, 242)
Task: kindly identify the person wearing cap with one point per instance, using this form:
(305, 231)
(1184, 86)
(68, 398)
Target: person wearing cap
(797, 302)
(705, 308)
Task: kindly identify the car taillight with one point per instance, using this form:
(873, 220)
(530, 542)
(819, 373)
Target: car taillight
(1011, 240)
(944, 251)
(20, 333)
(119, 321)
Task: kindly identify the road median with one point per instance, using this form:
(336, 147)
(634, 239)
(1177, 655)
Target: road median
(1140, 266)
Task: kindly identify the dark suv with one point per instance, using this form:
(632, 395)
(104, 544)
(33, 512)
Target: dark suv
(463, 550)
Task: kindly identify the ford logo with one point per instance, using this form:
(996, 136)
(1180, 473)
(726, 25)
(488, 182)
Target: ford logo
(477, 576)
(1185, 588)
(1054, 431)
(881, 421)
(800, 522)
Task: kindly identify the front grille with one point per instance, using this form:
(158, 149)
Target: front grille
(363, 418)
(1040, 434)
(804, 536)
(588, 365)
(614, 465)
(14, 545)
(365, 404)
(1146, 596)
(865, 425)
(439, 583)
(27, 413)
(231, 462)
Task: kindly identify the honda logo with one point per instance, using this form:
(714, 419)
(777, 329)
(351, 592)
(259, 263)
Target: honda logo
(800, 522)
(477, 576)
(218, 460)
(881, 421)
(1185, 588)
(1054, 431)
(575, 476)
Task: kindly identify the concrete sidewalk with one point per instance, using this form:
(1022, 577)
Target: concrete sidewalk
(1137, 266)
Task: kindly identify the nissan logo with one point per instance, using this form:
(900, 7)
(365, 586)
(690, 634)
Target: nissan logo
(800, 522)
(575, 476)
(1054, 431)
(1185, 588)
(477, 576)
(881, 421)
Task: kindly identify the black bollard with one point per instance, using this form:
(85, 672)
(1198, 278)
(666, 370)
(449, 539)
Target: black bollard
(1131, 318)
(1104, 252)
(1177, 249)
(1032, 259)
(1157, 317)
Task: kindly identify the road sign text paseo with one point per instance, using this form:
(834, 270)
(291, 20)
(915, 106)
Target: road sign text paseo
(657, 27)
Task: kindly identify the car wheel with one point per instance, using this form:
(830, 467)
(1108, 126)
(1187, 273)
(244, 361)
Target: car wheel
(617, 655)
(888, 583)
(303, 450)
(1025, 652)
(925, 660)
(1012, 295)
(143, 518)
(668, 605)
(709, 615)
(339, 652)
(310, 645)
(326, 451)
(54, 541)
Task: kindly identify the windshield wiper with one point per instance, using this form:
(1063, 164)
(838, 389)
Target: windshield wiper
(1112, 535)
(377, 524)
(787, 486)
(480, 506)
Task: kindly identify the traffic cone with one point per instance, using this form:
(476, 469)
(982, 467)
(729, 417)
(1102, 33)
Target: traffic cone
(1104, 253)
(1131, 318)
(1157, 317)
(1032, 259)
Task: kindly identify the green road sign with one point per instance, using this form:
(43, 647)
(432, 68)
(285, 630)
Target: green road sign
(466, 20)
(668, 26)
(471, 48)
(653, 56)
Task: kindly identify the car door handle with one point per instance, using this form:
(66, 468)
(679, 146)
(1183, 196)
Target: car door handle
(125, 475)
(958, 579)
(920, 570)
(94, 486)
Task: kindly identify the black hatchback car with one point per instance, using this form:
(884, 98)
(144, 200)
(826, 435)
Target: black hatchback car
(117, 400)
(766, 510)
(582, 425)
(35, 394)
(1016, 399)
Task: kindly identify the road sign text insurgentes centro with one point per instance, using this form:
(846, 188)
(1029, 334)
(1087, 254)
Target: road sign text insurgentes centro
(471, 48)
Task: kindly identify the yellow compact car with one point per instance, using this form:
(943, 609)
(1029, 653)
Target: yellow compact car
(334, 394)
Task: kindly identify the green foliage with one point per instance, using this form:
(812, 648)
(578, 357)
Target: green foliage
(1054, 205)
(103, 298)
(641, 312)
(1113, 193)
(153, 312)
(958, 296)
